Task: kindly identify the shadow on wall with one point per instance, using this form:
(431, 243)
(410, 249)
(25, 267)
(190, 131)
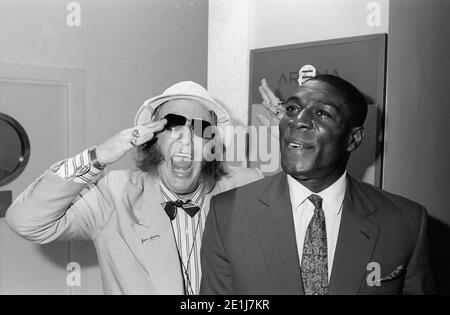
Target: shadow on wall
(439, 234)
(373, 129)
(84, 254)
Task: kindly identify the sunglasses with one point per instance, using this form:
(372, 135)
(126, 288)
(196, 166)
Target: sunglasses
(197, 125)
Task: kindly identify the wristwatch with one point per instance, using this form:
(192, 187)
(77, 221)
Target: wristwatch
(93, 157)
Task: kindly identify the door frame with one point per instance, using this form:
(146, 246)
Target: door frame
(72, 78)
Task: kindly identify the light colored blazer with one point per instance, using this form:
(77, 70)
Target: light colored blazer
(123, 216)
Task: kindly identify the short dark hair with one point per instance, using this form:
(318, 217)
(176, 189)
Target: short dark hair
(352, 97)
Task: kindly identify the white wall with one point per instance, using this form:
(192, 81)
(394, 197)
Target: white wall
(235, 26)
(131, 50)
(228, 48)
(275, 22)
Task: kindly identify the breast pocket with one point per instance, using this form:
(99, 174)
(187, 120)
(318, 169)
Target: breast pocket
(391, 287)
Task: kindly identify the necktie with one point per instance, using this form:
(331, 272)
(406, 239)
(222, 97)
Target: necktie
(314, 266)
(171, 208)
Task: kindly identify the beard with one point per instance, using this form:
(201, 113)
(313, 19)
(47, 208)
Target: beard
(149, 158)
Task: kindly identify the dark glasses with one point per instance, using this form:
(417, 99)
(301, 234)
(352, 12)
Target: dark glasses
(199, 126)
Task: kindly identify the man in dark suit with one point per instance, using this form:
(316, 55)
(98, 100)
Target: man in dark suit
(313, 229)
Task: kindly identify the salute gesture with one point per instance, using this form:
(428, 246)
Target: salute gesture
(116, 147)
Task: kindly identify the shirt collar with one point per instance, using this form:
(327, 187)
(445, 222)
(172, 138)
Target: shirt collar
(168, 195)
(196, 197)
(332, 197)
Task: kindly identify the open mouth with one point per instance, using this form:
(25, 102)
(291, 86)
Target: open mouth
(298, 145)
(182, 163)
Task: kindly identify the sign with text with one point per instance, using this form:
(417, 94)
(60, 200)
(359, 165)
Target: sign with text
(359, 60)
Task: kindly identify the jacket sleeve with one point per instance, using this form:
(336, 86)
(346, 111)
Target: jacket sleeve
(419, 276)
(53, 208)
(216, 269)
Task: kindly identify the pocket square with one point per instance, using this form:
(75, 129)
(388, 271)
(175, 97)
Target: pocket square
(397, 273)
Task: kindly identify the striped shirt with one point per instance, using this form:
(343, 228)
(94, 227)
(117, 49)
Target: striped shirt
(78, 169)
(188, 233)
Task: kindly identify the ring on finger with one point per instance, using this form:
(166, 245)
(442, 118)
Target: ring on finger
(135, 133)
(278, 103)
(278, 112)
(133, 141)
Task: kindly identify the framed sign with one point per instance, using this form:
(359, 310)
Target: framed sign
(359, 60)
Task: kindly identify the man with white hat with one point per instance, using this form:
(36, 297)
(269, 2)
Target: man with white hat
(147, 224)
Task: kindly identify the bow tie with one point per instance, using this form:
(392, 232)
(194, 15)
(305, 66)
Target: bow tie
(171, 208)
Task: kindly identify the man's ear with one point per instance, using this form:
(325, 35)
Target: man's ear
(356, 136)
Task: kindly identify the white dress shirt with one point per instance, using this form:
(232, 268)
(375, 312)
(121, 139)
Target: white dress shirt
(303, 210)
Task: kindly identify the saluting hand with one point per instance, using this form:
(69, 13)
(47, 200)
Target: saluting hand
(115, 148)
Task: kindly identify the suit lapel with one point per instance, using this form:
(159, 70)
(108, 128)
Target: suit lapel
(152, 241)
(275, 225)
(356, 242)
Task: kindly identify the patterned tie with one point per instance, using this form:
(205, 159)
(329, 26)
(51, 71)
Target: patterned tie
(314, 267)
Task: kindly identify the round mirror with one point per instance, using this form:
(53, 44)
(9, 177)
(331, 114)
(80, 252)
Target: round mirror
(14, 149)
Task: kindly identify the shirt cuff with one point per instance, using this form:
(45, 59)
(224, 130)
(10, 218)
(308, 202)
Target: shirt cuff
(78, 169)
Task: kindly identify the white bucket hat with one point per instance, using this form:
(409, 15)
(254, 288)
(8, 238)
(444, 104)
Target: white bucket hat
(183, 90)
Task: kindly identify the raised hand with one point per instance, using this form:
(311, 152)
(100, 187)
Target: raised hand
(116, 147)
(271, 103)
